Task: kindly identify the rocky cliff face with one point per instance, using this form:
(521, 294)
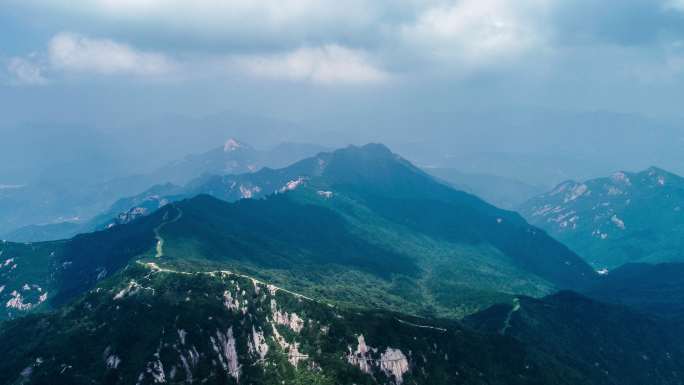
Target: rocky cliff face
(152, 325)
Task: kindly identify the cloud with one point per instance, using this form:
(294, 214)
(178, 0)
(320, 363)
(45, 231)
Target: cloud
(675, 4)
(228, 22)
(275, 11)
(25, 71)
(348, 42)
(478, 32)
(327, 65)
(76, 53)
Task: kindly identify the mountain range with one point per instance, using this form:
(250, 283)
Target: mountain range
(60, 210)
(327, 226)
(351, 266)
(626, 217)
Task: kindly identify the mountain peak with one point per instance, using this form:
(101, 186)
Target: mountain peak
(620, 177)
(368, 150)
(232, 145)
(374, 165)
(655, 171)
(377, 148)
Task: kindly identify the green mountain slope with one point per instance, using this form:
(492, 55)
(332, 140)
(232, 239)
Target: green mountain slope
(627, 217)
(611, 343)
(61, 270)
(148, 325)
(26, 276)
(359, 226)
(657, 289)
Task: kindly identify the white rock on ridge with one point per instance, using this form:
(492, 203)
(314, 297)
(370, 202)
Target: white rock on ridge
(394, 363)
(293, 321)
(249, 192)
(130, 215)
(360, 357)
(325, 194)
(618, 222)
(231, 145)
(257, 344)
(181, 335)
(224, 346)
(131, 289)
(156, 370)
(612, 190)
(229, 302)
(292, 349)
(189, 362)
(17, 301)
(621, 177)
(257, 287)
(576, 192)
(112, 362)
(291, 185)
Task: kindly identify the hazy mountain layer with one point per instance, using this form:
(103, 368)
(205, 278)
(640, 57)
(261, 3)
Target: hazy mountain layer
(59, 210)
(358, 226)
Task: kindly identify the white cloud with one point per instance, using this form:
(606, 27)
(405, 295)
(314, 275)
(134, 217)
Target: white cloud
(72, 52)
(275, 10)
(237, 19)
(476, 33)
(479, 32)
(675, 4)
(330, 64)
(26, 71)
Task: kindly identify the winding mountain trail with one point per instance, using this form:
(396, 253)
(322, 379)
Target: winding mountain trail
(156, 268)
(443, 330)
(157, 234)
(507, 321)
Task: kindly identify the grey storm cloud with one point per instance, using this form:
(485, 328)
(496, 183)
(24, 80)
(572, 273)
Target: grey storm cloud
(321, 41)
(306, 60)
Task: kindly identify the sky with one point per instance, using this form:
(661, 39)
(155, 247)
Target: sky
(155, 78)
